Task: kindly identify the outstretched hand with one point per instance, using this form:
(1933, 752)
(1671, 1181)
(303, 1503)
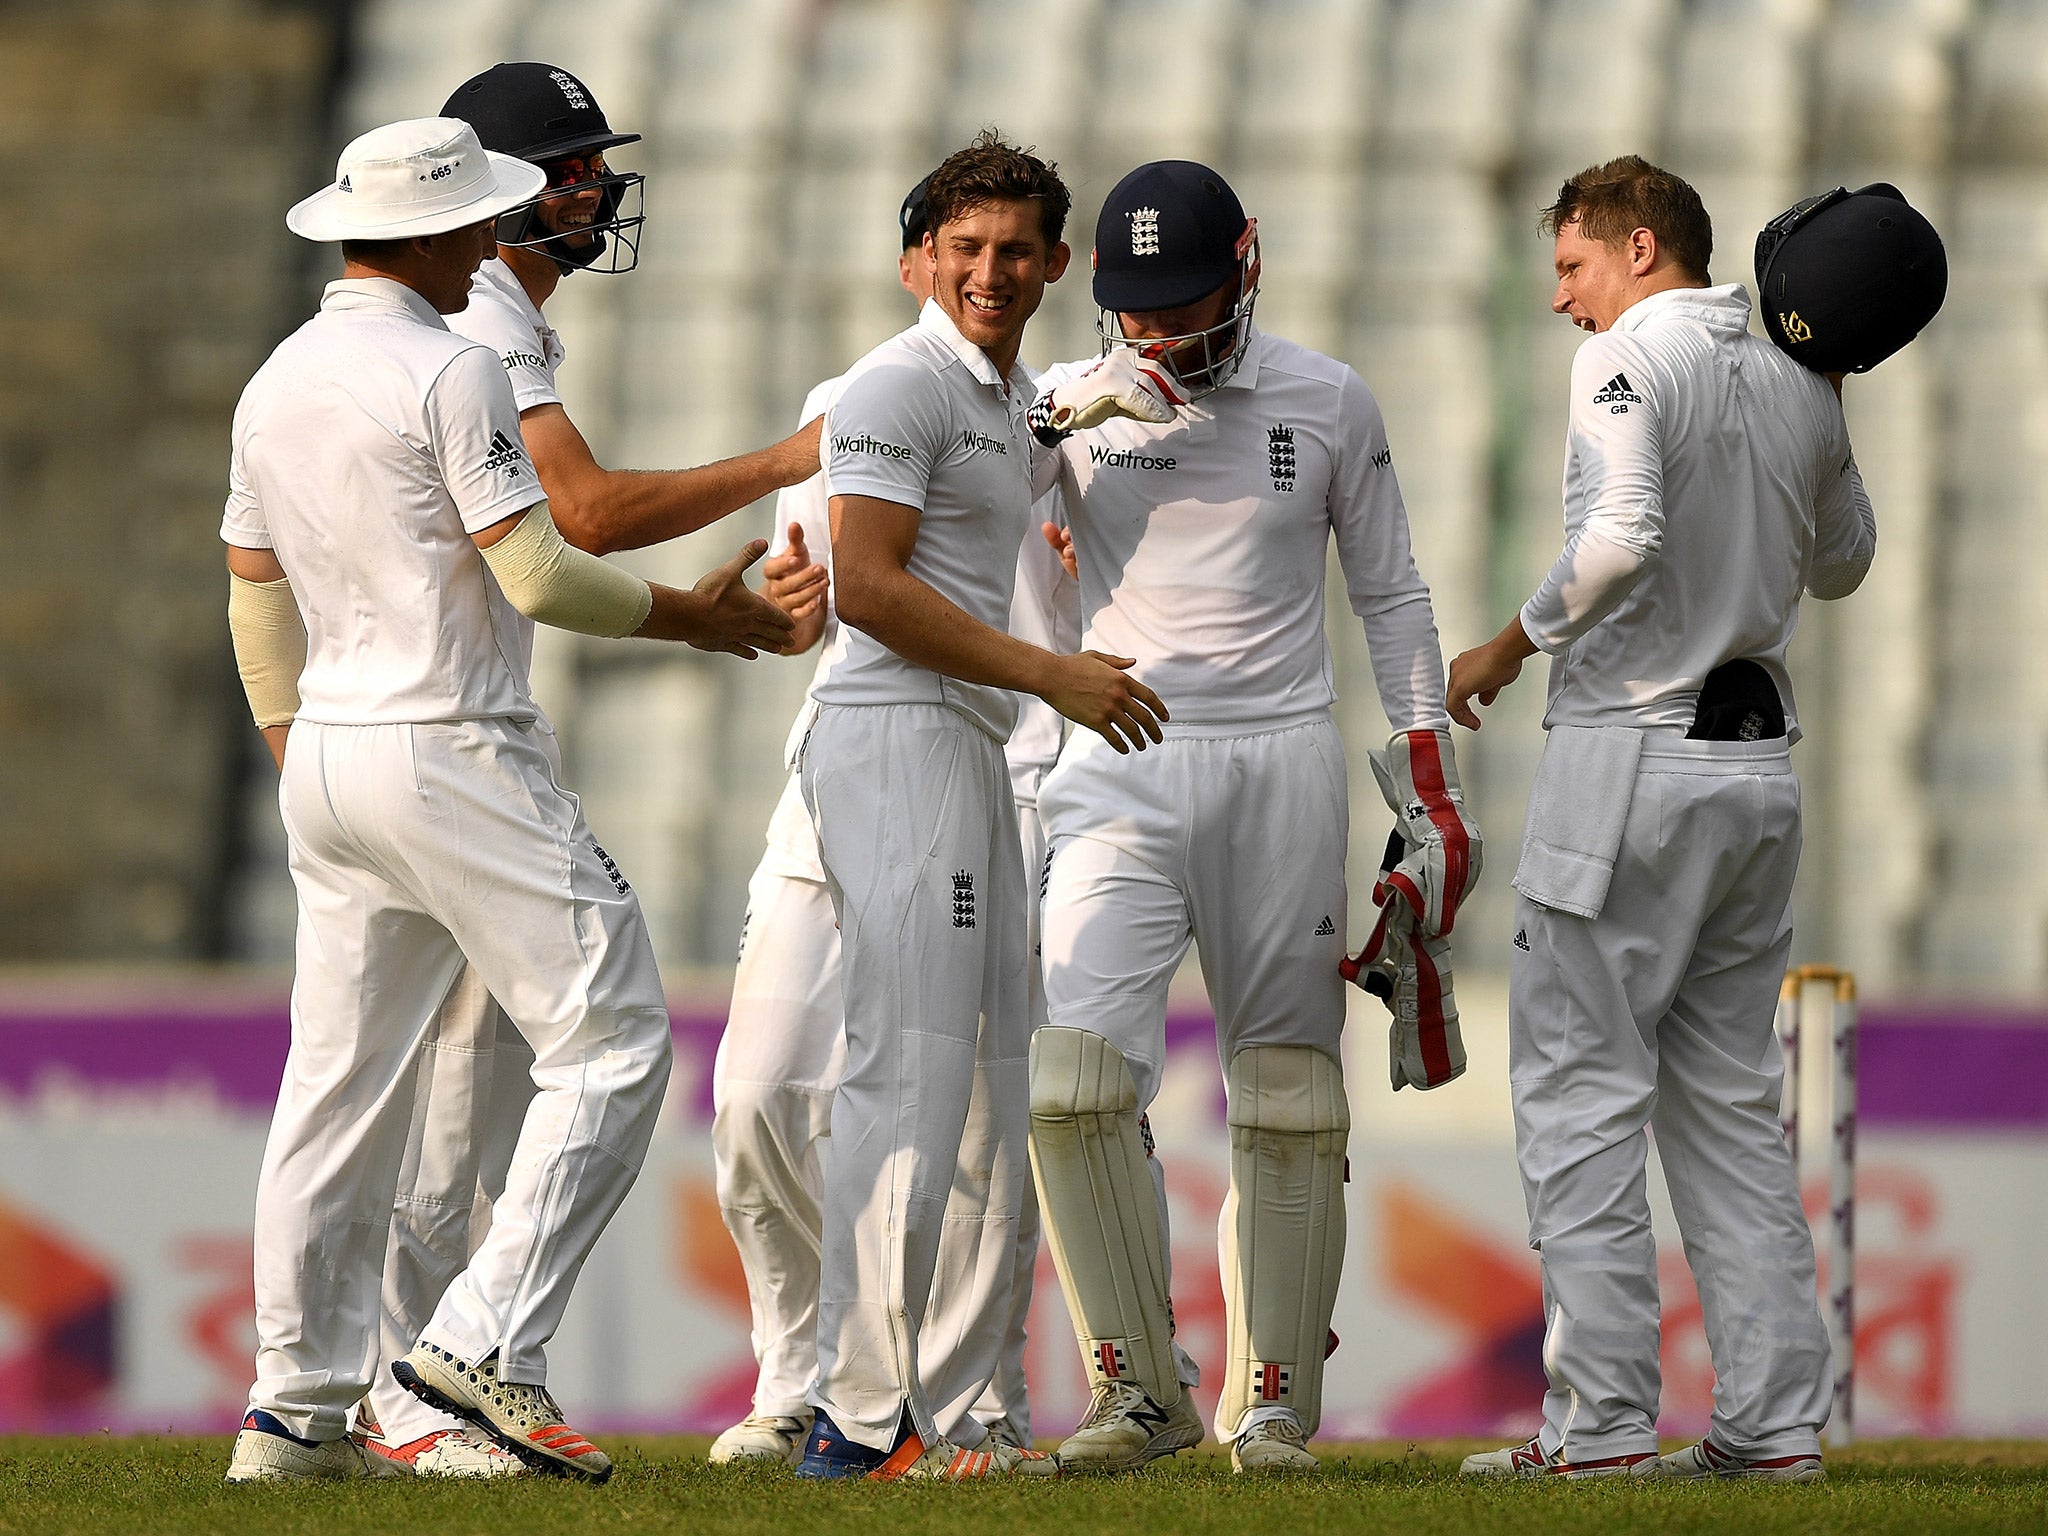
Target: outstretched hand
(1092, 689)
(732, 618)
(792, 580)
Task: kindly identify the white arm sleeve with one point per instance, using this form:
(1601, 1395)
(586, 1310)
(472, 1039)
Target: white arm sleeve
(554, 583)
(270, 646)
(1592, 575)
(1614, 448)
(1387, 592)
(1844, 528)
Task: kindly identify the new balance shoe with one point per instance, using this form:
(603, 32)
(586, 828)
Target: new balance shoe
(1278, 1444)
(1126, 1428)
(446, 1453)
(523, 1419)
(1531, 1460)
(1709, 1460)
(266, 1452)
(763, 1438)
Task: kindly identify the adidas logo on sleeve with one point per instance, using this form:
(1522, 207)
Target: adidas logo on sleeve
(505, 455)
(1618, 395)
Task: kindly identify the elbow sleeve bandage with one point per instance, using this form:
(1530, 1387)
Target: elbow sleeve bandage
(554, 583)
(270, 647)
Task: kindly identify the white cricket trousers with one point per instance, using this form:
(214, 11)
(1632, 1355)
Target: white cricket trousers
(1233, 843)
(918, 833)
(474, 1084)
(778, 1064)
(413, 847)
(1659, 1014)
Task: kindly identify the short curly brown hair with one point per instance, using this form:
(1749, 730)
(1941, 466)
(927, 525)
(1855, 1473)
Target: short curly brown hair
(991, 171)
(1608, 202)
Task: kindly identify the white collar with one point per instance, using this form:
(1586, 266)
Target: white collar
(379, 293)
(1724, 307)
(1247, 374)
(934, 318)
(497, 275)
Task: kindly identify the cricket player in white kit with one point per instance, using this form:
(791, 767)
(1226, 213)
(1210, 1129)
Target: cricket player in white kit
(1708, 483)
(475, 1072)
(780, 1056)
(930, 467)
(388, 542)
(1201, 545)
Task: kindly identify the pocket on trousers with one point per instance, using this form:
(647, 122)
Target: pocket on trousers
(1539, 1016)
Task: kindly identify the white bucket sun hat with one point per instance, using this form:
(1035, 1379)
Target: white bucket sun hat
(424, 176)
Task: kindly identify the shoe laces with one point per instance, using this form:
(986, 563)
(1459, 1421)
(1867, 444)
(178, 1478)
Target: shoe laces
(1003, 1432)
(1113, 1398)
(780, 1423)
(1288, 1429)
(530, 1407)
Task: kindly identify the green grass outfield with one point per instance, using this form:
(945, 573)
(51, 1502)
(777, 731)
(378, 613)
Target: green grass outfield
(50, 1487)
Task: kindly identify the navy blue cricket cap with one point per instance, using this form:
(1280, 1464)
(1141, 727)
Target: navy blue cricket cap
(915, 217)
(538, 112)
(1168, 234)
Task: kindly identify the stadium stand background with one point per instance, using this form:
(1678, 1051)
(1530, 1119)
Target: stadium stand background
(146, 152)
(1396, 153)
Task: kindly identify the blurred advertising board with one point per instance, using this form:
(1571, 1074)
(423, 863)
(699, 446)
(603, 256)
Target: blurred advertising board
(132, 1121)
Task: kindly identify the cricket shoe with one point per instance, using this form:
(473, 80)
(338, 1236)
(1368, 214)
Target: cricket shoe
(1125, 1428)
(266, 1452)
(443, 1453)
(1530, 1461)
(521, 1418)
(1708, 1460)
(1278, 1444)
(829, 1454)
(763, 1438)
(1006, 1432)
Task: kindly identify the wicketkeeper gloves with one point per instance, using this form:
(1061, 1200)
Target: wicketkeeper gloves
(1432, 861)
(1412, 976)
(1418, 775)
(1128, 382)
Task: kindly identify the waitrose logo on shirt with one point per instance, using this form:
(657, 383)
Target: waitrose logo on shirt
(980, 442)
(867, 444)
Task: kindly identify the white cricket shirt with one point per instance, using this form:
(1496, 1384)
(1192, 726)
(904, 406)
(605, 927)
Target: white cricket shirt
(1202, 544)
(504, 318)
(1043, 610)
(367, 450)
(1707, 482)
(500, 315)
(925, 420)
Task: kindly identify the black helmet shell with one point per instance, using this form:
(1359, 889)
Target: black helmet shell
(1846, 279)
(535, 111)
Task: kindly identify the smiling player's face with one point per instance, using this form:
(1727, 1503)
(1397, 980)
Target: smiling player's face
(990, 268)
(575, 197)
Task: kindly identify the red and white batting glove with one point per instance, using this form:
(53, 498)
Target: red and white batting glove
(1130, 381)
(1412, 976)
(1419, 777)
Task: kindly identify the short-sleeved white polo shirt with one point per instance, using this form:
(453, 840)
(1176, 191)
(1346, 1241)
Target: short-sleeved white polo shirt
(924, 420)
(367, 450)
(1202, 544)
